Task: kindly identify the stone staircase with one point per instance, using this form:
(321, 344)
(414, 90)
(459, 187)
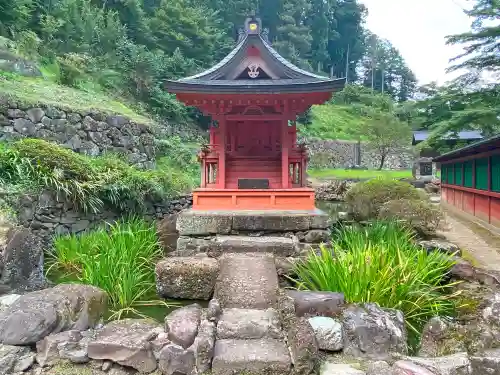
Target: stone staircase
(249, 335)
(232, 257)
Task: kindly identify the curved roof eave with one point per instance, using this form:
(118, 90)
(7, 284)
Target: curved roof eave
(257, 86)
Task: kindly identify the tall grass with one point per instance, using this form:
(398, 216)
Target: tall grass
(381, 263)
(119, 259)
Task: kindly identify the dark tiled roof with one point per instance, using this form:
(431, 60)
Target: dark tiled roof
(291, 78)
(422, 135)
(259, 85)
(492, 143)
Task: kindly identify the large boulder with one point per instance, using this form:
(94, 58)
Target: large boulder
(182, 325)
(187, 277)
(36, 315)
(373, 332)
(128, 343)
(22, 260)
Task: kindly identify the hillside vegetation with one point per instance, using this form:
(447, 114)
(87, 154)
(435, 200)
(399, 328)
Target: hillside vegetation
(41, 90)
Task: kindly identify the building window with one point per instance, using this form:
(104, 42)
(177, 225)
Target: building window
(468, 174)
(458, 174)
(495, 173)
(482, 174)
(444, 175)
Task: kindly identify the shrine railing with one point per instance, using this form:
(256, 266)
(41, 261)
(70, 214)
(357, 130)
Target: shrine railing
(209, 159)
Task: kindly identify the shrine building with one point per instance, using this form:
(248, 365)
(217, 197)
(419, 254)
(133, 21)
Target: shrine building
(253, 96)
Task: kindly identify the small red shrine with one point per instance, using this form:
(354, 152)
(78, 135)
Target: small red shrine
(253, 160)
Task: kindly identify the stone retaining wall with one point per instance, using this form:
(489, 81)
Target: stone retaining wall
(47, 214)
(88, 132)
(342, 154)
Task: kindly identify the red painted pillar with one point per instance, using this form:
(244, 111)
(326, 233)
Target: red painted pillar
(221, 183)
(284, 154)
(203, 173)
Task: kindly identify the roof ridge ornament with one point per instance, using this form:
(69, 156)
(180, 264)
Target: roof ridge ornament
(253, 25)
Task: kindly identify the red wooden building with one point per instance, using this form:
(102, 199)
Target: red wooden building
(253, 160)
(470, 179)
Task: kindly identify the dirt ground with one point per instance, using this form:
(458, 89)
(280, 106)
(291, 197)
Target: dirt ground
(475, 241)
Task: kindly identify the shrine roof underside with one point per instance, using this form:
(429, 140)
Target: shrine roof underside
(254, 67)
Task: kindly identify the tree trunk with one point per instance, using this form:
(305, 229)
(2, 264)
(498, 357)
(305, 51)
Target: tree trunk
(382, 161)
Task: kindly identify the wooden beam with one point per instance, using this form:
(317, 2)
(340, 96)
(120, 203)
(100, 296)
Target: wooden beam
(471, 190)
(472, 157)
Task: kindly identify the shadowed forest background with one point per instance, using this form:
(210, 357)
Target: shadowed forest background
(127, 48)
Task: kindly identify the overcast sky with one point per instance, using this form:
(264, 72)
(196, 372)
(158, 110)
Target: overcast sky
(418, 29)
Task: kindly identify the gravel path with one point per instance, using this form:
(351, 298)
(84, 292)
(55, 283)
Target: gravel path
(478, 242)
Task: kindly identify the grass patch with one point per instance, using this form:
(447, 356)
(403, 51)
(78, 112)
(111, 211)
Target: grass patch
(89, 183)
(382, 263)
(357, 173)
(120, 260)
(331, 121)
(40, 91)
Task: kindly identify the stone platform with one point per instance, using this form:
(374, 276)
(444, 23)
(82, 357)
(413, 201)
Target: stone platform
(283, 233)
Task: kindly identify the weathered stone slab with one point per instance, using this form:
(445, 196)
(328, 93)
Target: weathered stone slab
(187, 277)
(317, 303)
(247, 281)
(264, 356)
(280, 246)
(128, 343)
(272, 221)
(190, 246)
(249, 324)
(200, 223)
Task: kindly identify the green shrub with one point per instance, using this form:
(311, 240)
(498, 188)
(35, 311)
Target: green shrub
(382, 264)
(120, 260)
(421, 215)
(90, 183)
(365, 199)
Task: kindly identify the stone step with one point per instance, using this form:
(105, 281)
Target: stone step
(247, 281)
(264, 356)
(280, 246)
(249, 324)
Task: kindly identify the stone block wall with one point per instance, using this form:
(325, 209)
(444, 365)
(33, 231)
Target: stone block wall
(47, 214)
(343, 154)
(88, 132)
